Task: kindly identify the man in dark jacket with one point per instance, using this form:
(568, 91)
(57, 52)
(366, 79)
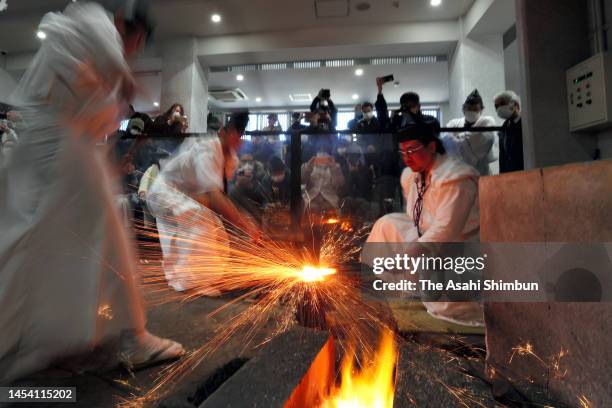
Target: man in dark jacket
(408, 114)
(508, 107)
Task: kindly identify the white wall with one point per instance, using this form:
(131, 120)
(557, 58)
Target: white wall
(511, 67)
(7, 84)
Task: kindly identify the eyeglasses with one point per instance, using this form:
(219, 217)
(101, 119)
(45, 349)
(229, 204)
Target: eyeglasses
(410, 152)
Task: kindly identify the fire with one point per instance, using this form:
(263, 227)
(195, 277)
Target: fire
(315, 274)
(372, 386)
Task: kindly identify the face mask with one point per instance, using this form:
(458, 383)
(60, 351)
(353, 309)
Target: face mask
(278, 179)
(505, 112)
(325, 104)
(471, 116)
(304, 138)
(368, 115)
(358, 115)
(341, 151)
(135, 132)
(176, 115)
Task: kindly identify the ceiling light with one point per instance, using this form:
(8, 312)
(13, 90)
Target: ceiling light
(355, 96)
(359, 72)
(41, 34)
(156, 104)
(239, 77)
(216, 18)
(257, 99)
(436, 3)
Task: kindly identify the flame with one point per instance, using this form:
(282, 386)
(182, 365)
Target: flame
(332, 221)
(372, 386)
(315, 274)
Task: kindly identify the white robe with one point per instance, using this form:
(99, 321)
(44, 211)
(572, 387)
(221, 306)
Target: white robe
(450, 214)
(478, 149)
(193, 239)
(66, 265)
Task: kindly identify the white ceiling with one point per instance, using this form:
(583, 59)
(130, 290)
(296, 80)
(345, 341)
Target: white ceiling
(192, 17)
(274, 87)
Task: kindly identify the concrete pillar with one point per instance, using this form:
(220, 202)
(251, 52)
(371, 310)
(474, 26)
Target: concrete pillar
(185, 81)
(477, 63)
(552, 37)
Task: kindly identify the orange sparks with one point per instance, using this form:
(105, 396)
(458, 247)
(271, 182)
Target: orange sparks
(584, 402)
(372, 386)
(315, 274)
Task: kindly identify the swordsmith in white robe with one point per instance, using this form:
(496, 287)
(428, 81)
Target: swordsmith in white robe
(66, 265)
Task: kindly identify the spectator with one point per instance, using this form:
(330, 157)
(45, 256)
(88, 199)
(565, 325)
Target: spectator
(359, 180)
(296, 122)
(275, 187)
(273, 125)
(408, 114)
(8, 135)
(213, 123)
(508, 106)
(352, 125)
(146, 119)
(475, 148)
(245, 193)
(369, 123)
(259, 148)
(323, 104)
(320, 121)
(171, 125)
(323, 179)
(172, 122)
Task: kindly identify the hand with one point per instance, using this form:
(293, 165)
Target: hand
(142, 195)
(379, 84)
(3, 127)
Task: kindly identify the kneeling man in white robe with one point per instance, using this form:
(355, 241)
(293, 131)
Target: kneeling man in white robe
(441, 195)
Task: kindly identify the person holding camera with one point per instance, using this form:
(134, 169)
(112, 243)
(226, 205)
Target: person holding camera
(409, 113)
(324, 106)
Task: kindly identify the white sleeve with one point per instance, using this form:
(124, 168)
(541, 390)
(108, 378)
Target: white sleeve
(477, 146)
(208, 165)
(456, 199)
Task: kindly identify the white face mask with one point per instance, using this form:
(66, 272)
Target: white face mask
(505, 112)
(471, 116)
(278, 179)
(176, 115)
(325, 103)
(368, 115)
(135, 132)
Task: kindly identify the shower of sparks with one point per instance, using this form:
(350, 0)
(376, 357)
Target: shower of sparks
(584, 402)
(526, 350)
(278, 278)
(105, 312)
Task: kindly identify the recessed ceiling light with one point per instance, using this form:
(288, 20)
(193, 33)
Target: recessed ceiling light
(216, 18)
(258, 99)
(41, 34)
(359, 72)
(156, 104)
(240, 77)
(355, 96)
(436, 3)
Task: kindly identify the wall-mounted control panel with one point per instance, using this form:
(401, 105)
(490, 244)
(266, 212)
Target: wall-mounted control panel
(589, 93)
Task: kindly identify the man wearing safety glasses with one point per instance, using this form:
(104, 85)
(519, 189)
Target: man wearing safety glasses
(441, 196)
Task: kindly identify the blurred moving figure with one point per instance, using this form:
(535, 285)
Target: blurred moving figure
(441, 195)
(508, 106)
(64, 255)
(323, 178)
(188, 198)
(475, 148)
